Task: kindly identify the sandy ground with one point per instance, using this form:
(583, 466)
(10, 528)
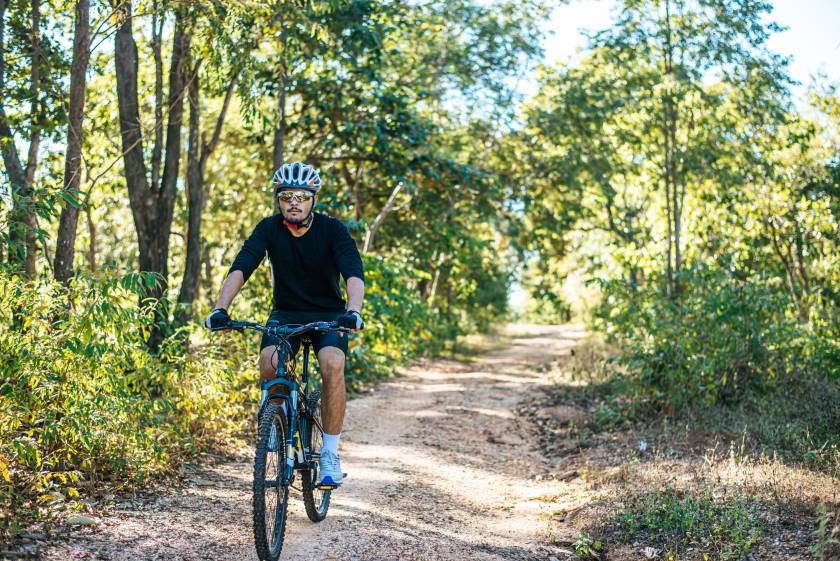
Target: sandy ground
(440, 466)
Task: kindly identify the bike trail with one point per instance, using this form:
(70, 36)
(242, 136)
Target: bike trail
(440, 467)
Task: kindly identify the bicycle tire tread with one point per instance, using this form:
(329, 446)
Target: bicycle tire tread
(314, 513)
(261, 540)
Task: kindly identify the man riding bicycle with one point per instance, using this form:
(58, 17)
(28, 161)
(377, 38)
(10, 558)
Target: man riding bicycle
(307, 251)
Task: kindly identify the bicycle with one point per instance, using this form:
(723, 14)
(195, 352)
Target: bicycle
(276, 465)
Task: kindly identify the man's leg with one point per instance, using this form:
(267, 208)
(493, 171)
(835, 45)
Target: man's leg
(268, 368)
(333, 396)
(268, 363)
(331, 361)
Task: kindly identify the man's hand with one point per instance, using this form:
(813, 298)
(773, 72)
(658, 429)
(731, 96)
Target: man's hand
(351, 320)
(218, 319)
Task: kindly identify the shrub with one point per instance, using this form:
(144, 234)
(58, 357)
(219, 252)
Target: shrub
(83, 401)
(676, 521)
(401, 324)
(398, 322)
(720, 338)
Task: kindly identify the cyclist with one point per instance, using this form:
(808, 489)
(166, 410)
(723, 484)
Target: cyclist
(307, 251)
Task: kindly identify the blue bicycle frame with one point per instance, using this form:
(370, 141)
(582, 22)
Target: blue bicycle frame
(293, 449)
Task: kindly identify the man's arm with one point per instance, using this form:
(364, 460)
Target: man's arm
(355, 294)
(231, 287)
(247, 260)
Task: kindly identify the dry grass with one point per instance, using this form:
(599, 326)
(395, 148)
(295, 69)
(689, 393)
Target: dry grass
(687, 488)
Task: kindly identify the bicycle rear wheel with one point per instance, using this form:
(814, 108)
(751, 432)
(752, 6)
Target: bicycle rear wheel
(316, 501)
(270, 495)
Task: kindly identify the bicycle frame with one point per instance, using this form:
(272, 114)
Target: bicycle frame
(295, 454)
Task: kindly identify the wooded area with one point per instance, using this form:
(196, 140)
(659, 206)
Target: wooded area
(670, 167)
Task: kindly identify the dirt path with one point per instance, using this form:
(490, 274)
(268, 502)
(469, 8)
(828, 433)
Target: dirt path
(440, 467)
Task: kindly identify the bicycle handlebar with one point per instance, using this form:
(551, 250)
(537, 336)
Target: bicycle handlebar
(285, 331)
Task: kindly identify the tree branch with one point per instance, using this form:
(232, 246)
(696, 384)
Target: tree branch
(381, 217)
(208, 148)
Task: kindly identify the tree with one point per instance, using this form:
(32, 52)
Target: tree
(151, 205)
(66, 242)
(669, 92)
(23, 221)
(198, 152)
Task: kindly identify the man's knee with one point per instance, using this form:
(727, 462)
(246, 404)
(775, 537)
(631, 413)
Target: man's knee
(331, 361)
(268, 361)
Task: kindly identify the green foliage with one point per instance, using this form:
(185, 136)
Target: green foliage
(546, 305)
(710, 209)
(675, 521)
(797, 421)
(827, 535)
(722, 338)
(399, 324)
(586, 548)
(82, 401)
(719, 288)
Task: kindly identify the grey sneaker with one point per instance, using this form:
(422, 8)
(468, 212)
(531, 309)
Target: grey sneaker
(330, 468)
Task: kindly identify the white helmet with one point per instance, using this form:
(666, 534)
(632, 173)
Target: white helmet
(296, 175)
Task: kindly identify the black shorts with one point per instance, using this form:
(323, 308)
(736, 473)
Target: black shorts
(319, 340)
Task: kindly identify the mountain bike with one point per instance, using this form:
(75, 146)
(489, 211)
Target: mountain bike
(283, 453)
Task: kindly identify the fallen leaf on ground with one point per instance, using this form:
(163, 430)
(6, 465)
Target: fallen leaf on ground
(79, 520)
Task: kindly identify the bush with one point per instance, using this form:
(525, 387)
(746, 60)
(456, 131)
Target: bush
(398, 322)
(82, 401)
(720, 338)
(401, 324)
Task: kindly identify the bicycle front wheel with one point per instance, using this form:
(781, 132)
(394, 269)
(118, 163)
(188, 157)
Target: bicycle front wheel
(316, 501)
(270, 495)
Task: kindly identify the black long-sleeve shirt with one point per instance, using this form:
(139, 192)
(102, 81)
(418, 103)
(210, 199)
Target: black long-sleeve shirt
(305, 269)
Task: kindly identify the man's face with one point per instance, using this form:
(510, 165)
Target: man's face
(295, 204)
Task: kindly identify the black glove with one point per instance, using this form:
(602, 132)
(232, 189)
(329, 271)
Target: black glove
(218, 319)
(351, 320)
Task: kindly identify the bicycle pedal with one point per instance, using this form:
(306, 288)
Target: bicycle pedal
(330, 485)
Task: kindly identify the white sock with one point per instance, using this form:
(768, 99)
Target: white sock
(331, 443)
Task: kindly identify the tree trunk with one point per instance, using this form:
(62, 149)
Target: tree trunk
(195, 203)
(152, 209)
(158, 19)
(354, 187)
(22, 220)
(197, 155)
(280, 128)
(441, 259)
(92, 241)
(65, 245)
(668, 133)
(141, 199)
(28, 211)
(205, 280)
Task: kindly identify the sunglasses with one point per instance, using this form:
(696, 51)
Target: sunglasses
(287, 196)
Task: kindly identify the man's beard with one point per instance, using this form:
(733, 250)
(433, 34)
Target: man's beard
(298, 223)
(296, 220)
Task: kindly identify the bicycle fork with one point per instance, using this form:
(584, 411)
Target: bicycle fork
(292, 418)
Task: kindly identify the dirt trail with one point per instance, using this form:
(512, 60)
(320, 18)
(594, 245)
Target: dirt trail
(440, 467)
